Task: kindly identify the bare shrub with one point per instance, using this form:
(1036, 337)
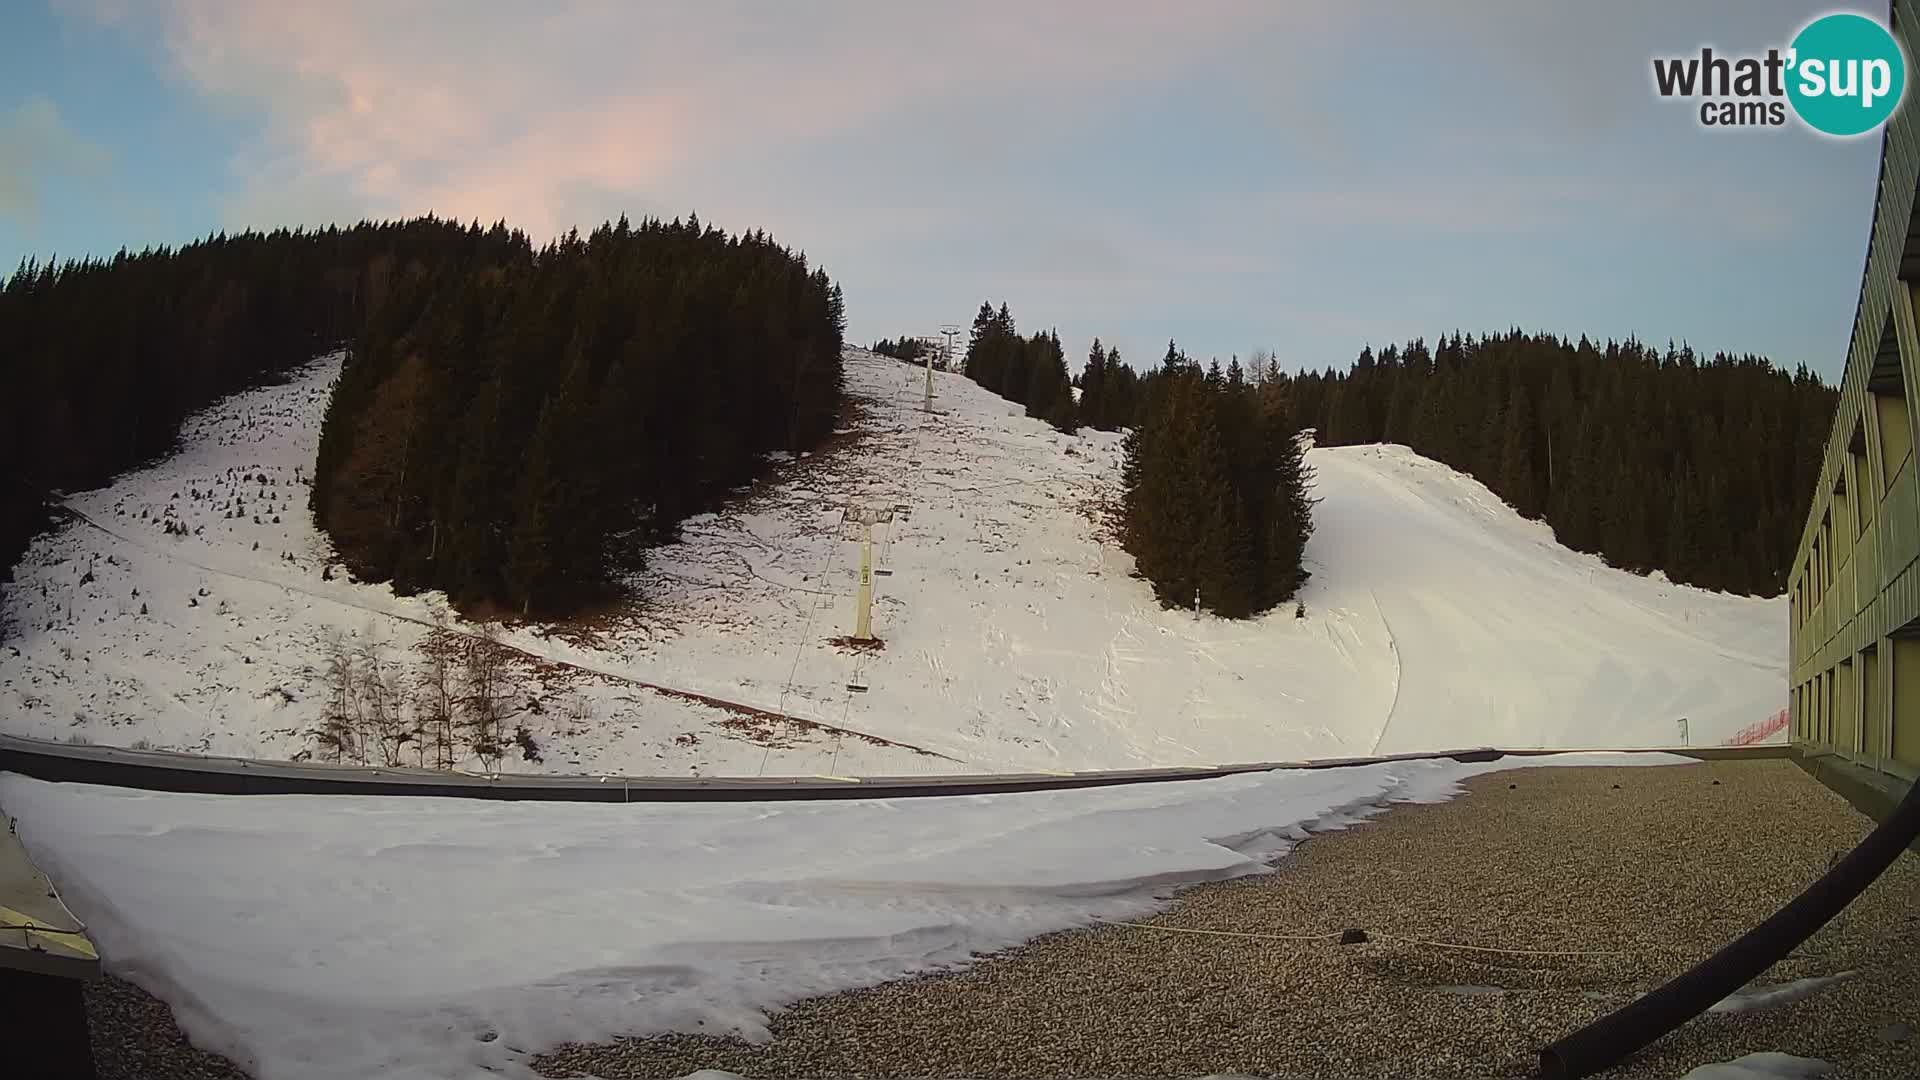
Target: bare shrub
(339, 733)
(436, 697)
(529, 747)
(384, 701)
(485, 699)
(574, 710)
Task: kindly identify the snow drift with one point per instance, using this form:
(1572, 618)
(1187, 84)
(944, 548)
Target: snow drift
(314, 937)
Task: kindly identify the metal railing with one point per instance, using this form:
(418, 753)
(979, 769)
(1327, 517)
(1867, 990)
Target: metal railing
(166, 770)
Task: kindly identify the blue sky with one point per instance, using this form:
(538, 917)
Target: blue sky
(1234, 174)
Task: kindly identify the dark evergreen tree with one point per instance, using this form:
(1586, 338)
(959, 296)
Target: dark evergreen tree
(1598, 438)
(104, 357)
(1049, 391)
(1518, 456)
(911, 350)
(1288, 522)
(1216, 510)
(570, 406)
(1031, 372)
(1095, 394)
(1159, 523)
(996, 356)
(533, 564)
(1122, 405)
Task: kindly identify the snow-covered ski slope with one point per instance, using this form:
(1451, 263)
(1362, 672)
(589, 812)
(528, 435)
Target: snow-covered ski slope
(1015, 637)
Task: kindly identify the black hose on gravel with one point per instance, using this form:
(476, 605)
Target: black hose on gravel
(1613, 1037)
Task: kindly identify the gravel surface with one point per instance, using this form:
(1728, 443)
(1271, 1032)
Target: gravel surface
(135, 1038)
(1660, 866)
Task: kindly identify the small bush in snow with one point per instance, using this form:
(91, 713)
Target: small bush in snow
(529, 749)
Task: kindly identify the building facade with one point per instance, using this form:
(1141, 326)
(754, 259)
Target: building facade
(1854, 591)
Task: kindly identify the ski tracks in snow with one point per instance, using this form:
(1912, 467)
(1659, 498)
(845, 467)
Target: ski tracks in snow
(1393, 647)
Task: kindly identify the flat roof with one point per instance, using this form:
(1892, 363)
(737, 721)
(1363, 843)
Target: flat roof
(1497, 922)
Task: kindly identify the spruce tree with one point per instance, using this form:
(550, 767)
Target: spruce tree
(1065, 415)
(1288, 523)
(532, 561)
(1046, 376)
(984, 362)
(1123, 402)
(1224, 575)
(1517, 483)
(1094, 409)
(1679, 561)
(1576, 430)
(1161, 524)
(1216, 509)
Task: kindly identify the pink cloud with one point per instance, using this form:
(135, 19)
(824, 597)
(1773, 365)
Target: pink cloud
(507, 110)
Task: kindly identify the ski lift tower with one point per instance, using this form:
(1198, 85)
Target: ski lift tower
(927, 405)
(947, 331)
(866, 516)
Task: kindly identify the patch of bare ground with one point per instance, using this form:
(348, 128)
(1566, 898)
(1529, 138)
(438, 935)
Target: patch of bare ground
(847, 643)
(794, 482)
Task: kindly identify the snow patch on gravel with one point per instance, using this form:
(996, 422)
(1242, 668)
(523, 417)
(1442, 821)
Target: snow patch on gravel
(1767, 1065)
(1769, 997)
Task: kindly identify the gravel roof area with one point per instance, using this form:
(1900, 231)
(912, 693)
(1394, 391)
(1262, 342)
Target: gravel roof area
(135, 1038)
(1660, 865)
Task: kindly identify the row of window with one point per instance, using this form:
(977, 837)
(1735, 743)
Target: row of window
(1859, 709)
(1813, 707)
(1845, 519)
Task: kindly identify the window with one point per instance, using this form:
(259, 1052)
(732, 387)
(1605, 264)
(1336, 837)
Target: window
(1887, 385)
(1859, 479)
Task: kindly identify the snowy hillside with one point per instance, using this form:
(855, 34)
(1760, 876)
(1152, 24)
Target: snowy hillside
(1015, 638)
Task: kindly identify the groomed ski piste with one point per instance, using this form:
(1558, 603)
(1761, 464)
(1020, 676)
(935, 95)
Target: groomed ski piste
(188, 606)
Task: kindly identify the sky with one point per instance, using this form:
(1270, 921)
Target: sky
(1234, 174)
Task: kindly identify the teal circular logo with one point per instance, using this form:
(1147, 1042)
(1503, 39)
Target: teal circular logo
(1846, 74)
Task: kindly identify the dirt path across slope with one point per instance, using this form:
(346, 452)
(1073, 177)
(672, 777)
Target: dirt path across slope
(756, 723)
